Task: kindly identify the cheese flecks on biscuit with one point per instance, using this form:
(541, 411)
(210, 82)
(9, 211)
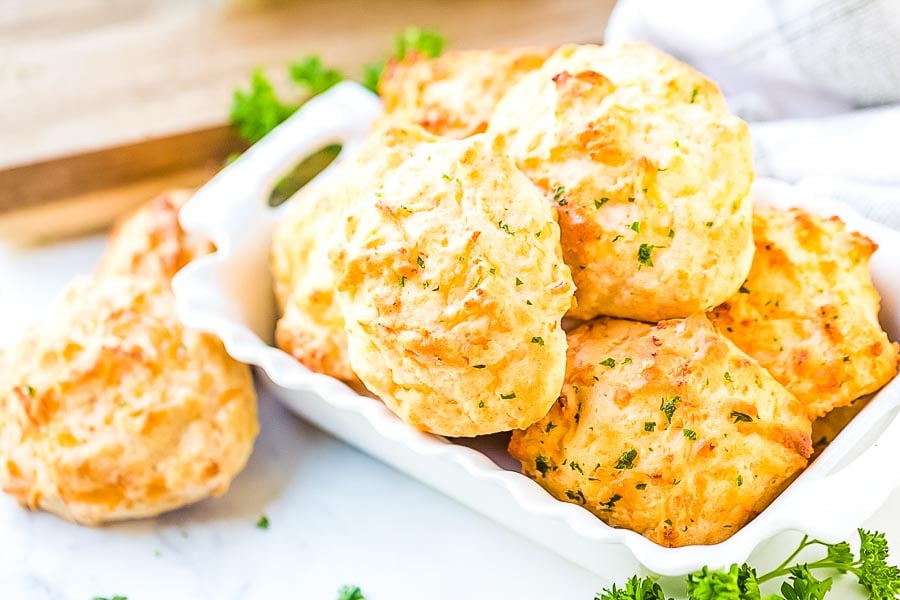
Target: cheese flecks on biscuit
(110, 409)
(808, 311)
(667, 430)
(649, 172)
(452, 285)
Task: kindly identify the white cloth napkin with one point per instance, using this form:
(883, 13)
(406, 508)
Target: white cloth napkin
(818, 81)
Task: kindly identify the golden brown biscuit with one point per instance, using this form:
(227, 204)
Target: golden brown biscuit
(311, 328)
(110, 409)
(453, 95)
(150, 242)
(668, 430)
(650, 173)
(451, 282)
(808, 311)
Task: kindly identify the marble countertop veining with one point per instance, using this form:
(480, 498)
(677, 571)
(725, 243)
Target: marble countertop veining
(336, 516)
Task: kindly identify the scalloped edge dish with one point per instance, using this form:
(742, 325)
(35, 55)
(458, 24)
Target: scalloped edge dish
(229, 294)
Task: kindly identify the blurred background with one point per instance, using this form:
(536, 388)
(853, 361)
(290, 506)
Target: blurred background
(106, 103)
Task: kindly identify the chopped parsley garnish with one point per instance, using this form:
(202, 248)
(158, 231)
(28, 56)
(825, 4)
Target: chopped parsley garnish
(728, 377)
(631, 198)
(600, 202)
(575, 466)
(626, 461)
(558, 195)
(636, 226)
(309, 72)
(519, 282)
(402, 281)
(508, 396)
(611, 503)
(668, 407)
(743, 290)
(481, 404)
(542, 464)
(739, 416)
(263, 522)
(644, 254)
(492, 270)
(550, 426)
(740, 480)
(694, 95)
(529, 303)
(445, 176)
(30, 390)
(626, 360)
(505, 227)
(576, 495)
(478, 366)
(421, 262)
(709, 223)
(690, 434)
(641, 486)
(616, 239)
(537, 340)
(608, 362)
(649, 425)
(671, 233)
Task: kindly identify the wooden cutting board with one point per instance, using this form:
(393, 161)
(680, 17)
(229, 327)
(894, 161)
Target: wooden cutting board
(107, 102)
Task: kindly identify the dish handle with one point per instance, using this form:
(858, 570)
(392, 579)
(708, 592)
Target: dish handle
(342, 115)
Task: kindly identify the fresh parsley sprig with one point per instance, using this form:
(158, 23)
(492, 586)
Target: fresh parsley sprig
(871, 569)
(258, 110)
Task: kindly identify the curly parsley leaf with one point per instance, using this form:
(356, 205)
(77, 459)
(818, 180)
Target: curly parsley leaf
(258, 111)
(634, 589)
(309, 72)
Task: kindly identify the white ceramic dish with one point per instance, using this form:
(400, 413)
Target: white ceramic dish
(229, 294)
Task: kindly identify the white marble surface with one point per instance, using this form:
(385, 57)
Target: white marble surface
(336, 517)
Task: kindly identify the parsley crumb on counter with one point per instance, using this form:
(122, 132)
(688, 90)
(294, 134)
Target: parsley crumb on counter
(263, 522)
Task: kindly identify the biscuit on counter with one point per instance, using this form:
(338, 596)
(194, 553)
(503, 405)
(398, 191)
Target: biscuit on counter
(650, 174)
(808, 311)
(110, 409)
(451, 280)
(455, 94)
(310, 326)
(667, 430)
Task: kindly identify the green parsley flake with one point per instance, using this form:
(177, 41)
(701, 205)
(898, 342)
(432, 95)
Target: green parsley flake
(740, 480)
(421, 262)
(609, 362)
(350, 592)
(550, 426)
(626, 461)
(445, 176)
(739, 416)
(576, 496)
(519, 282)
(694, 95)
(508, 396)
(709, 223)
(668, 408)
(600, 202)
(644, 254)
(478, 366)
(728, 377)
(641, 486)
(611, 503)
(402, 281)
(626, 361)
(636, 226)
(649, 425)
(529, 303)
(690, 434)
(263, 522)
(671, 233)
(481, 404)
(558, 195)
(542, 464)
(743, 290)
(537, 340)
(505, 227)
(631, 198)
